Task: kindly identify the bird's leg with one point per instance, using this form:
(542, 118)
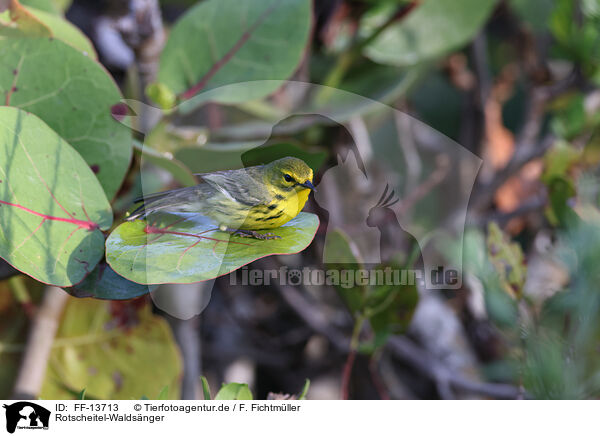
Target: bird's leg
(252, 234)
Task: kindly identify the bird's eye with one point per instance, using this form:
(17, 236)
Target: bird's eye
(288, 178)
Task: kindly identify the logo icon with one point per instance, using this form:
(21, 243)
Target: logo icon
(26, 415)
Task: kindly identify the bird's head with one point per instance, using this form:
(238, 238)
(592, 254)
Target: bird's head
(289, 174)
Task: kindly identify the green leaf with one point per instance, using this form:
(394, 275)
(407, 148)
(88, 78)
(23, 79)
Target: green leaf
(81, 395)
(302, 395)
(390, 310)
(576, 34)
(273, 151)
(215, 157)
(52, 208)
(500, 302)
(559, 212)
(53, 6)
(189, 248)
(74, 96)
(536, 13)
(19, 290)
(106, 347)
(205, 388)
(570, 118)
(433, 29)
(163, 394)
(559, 160)
(508, 260)
(19, 20)
(210, 159)
(234, 391)
(500, 306)
(183, 144)
(339, 247)
(162, 95)
(105, 284)
(42, 5)
(547, 373)
(65, 31)
(166, 161)
(219, 42)
(62, 5)
(561, 21)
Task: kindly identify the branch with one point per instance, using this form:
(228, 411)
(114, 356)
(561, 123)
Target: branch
(524, 154)
(349, 57)
(527, 147)
(421, 360)
(436, 177)
(347, 374)
(535, 204)
(39, 343)
(400, 346)
(313, 317)
(186, 332)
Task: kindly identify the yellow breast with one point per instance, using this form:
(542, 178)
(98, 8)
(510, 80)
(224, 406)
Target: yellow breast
(301, 200)
(278, 212)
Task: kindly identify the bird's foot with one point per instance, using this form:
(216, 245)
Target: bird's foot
(253, 234)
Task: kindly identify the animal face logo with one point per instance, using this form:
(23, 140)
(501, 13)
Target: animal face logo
(26, 415)
(381, 212)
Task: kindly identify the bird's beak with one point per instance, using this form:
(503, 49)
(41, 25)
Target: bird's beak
(308, 184)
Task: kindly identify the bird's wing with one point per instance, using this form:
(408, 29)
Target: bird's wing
(201, 190)
(243, 186)
(182, 199)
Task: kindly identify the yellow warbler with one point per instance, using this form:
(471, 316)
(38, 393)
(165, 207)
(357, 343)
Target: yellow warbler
(241, 201)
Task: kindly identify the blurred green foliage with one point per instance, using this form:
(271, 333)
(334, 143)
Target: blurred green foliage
(443, 61)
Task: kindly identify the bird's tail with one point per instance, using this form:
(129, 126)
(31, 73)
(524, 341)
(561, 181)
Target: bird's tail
(175, 200)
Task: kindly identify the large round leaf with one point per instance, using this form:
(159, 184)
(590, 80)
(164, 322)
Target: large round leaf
(56, 7)
(65, 31)
(105, 284)
(52, 207)
(113, 350)
(434, 28)
(18, 18)
(188, 248)
(74, 96)
(219, 42)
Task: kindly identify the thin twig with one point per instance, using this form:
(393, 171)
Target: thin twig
(315, 319)
(346, 374)
(39, 343)
(482, 67)
(376, 379)
(527, 147)
(421, 360)
(400, 346)
(435, 178)
(524, 154)
(404, 128)
(349, 57)
(535, 204)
